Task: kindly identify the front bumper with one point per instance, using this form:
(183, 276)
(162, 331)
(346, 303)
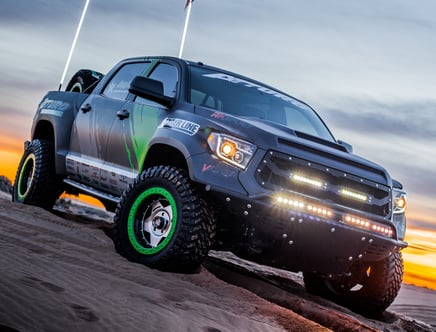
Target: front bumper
(295, 240)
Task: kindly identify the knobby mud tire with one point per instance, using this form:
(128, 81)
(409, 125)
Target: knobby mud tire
(36, 182)
(379, 287)
(189, 224)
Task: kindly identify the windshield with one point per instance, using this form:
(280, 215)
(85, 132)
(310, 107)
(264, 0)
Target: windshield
(241, 97)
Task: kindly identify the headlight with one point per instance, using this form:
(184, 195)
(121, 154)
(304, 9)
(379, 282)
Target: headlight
(399, 204)
(233, 150)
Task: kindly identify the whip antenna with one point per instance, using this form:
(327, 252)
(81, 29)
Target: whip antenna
(188, 13)
(74, 43)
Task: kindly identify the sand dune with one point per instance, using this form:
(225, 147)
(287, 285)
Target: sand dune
(59, 271)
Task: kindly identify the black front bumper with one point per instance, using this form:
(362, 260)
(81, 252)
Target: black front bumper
(299, 241)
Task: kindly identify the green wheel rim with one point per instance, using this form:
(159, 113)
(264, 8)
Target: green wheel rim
(148, 197)
(26, 176)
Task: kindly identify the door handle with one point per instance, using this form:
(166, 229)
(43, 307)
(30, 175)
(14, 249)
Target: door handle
(123, 114)
(86, 108)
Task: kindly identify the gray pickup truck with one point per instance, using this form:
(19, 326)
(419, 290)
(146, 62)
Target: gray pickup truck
(192, 157)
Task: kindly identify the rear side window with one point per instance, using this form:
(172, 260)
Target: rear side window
(118, 86)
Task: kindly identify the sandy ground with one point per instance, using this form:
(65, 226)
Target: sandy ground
(60, 272)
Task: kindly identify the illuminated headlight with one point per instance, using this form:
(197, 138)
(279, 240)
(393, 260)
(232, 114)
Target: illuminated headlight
(233, 150)
(399, 201)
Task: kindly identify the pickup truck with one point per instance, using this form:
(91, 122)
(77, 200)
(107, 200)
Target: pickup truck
(192, 158)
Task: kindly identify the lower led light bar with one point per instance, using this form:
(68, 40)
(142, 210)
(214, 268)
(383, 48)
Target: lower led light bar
(301, 205)
(319, 210)
(369, 225)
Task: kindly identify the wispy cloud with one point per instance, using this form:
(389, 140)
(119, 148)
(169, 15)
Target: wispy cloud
(16, 12)
(411, 120)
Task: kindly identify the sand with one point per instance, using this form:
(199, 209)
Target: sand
(60, 272)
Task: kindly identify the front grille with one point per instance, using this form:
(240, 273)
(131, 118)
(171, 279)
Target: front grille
(277, 169)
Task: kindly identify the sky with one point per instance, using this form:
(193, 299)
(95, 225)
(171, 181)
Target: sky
(367, 67)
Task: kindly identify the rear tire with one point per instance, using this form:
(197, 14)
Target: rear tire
(162, 222)
(84, 81)
(370, 293)
(35, 181)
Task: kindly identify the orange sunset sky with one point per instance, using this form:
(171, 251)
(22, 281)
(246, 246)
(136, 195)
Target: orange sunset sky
(366, 67)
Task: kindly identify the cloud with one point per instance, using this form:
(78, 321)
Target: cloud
(410, 120)
(17, 12)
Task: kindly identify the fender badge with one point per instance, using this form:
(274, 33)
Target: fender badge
(184, 126)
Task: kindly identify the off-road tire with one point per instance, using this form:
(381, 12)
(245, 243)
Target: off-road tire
(36, 182)
(379, 285)
(164, 207)
(84, 81)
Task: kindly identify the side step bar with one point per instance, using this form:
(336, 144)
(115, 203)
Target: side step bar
(92, 191)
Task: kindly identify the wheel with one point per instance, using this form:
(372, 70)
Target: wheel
(84, 81)
(370, 289)
(35, 182)
(162, 222)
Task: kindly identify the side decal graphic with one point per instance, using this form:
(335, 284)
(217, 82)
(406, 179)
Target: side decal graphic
(184, 126)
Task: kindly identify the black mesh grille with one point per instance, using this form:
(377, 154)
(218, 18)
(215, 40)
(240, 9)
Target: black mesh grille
(277, 170)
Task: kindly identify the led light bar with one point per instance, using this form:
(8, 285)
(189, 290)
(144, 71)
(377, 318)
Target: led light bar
(368, 225)
(354, 195)
(307, 180)
(301, 205)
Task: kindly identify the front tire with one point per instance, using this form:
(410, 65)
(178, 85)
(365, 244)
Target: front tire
(162, 222)
(35, 181)
(370, 290)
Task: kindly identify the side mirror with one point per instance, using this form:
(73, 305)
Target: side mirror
(347, 147)
(150, 89)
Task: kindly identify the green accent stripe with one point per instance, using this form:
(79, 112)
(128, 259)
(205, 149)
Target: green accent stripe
(143, 198)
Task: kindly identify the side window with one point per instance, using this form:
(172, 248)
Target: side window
(118, 86)
(167, 74)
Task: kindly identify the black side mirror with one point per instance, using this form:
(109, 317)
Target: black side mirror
(347, 146)
(150, 89)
